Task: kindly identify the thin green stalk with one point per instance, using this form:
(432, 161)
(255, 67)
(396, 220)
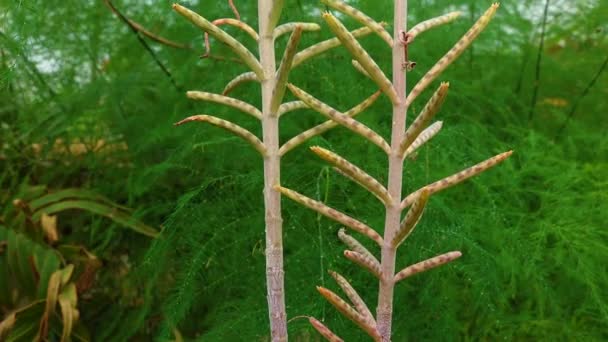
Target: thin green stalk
(539, 57)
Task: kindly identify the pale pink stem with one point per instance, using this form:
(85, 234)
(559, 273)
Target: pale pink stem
(272, 178)
(384, 312)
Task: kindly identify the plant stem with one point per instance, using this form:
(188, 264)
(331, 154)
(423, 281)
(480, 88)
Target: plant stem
(539, 57)
(578, 100)
(143, 43)
(395, 178)
(272, 177)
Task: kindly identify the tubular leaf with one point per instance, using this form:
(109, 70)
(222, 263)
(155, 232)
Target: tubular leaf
(332, 214)
(229, 101)
(229, 126)
(284, 69)
(428, 112)
(326, 126)
(431, 23)
(340, 118)
(357, 51)
(349, 312)
(351, 170)
(361, 18)
(427, 265)
(224, 37)
(451, 56)
(456, 178)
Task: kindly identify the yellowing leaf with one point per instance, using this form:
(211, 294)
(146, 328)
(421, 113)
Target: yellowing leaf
(49, 227)
(555, 101)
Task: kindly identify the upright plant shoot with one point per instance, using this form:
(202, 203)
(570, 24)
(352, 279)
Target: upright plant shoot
(273, 81)
(403, 142)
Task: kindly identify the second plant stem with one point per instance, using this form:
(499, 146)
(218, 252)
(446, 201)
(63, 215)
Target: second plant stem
(395, 178)
(272, 177)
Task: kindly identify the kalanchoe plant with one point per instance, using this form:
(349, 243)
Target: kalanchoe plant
(273, 82)
(402, 143)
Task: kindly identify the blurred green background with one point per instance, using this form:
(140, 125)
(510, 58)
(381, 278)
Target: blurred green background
(85, 105)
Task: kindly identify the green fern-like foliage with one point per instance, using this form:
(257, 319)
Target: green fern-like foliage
(534, 251)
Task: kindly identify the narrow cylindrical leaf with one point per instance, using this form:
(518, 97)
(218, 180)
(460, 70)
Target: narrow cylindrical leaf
(355, 245)
(359, 68)
(325, 45)
(290, 106)
(349, 312)
(429, 24)
(289, 27)
(238, 24)
(357, 51)
(324, 331)
(332, 214)
(340, 118)
(354, 297)
(456, 178)
(354, 172)
(284, 69)
(423, 137)
(229, 101)
(361, 18)
(275, 14)
(366, 262)
(224, 37)
(411, 218)
(229, 126)
(326, 126)
(451, 56)
(427, 265)
(428, 112)
(240, 79)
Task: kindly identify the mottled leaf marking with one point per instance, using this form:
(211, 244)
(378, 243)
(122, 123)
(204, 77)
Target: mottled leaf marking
(411, 218)
(325, 45)
(354, 297)
(229, 126)
(451, 56)
(326, 126)
(229, 101)
(355, 245)
(427, 265)
(366, 262)
(284, 69)
(423, 137)
(238, 24)
(431, 23)
(428, 112)
(357, 51)
(456, 178)
(290, 106)
(354, 172)
(289, 27)
(331, 213)
(240, 79)
(324, 331)
(340, 118)
(348, 311)
(222, 36)
(361, 18)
